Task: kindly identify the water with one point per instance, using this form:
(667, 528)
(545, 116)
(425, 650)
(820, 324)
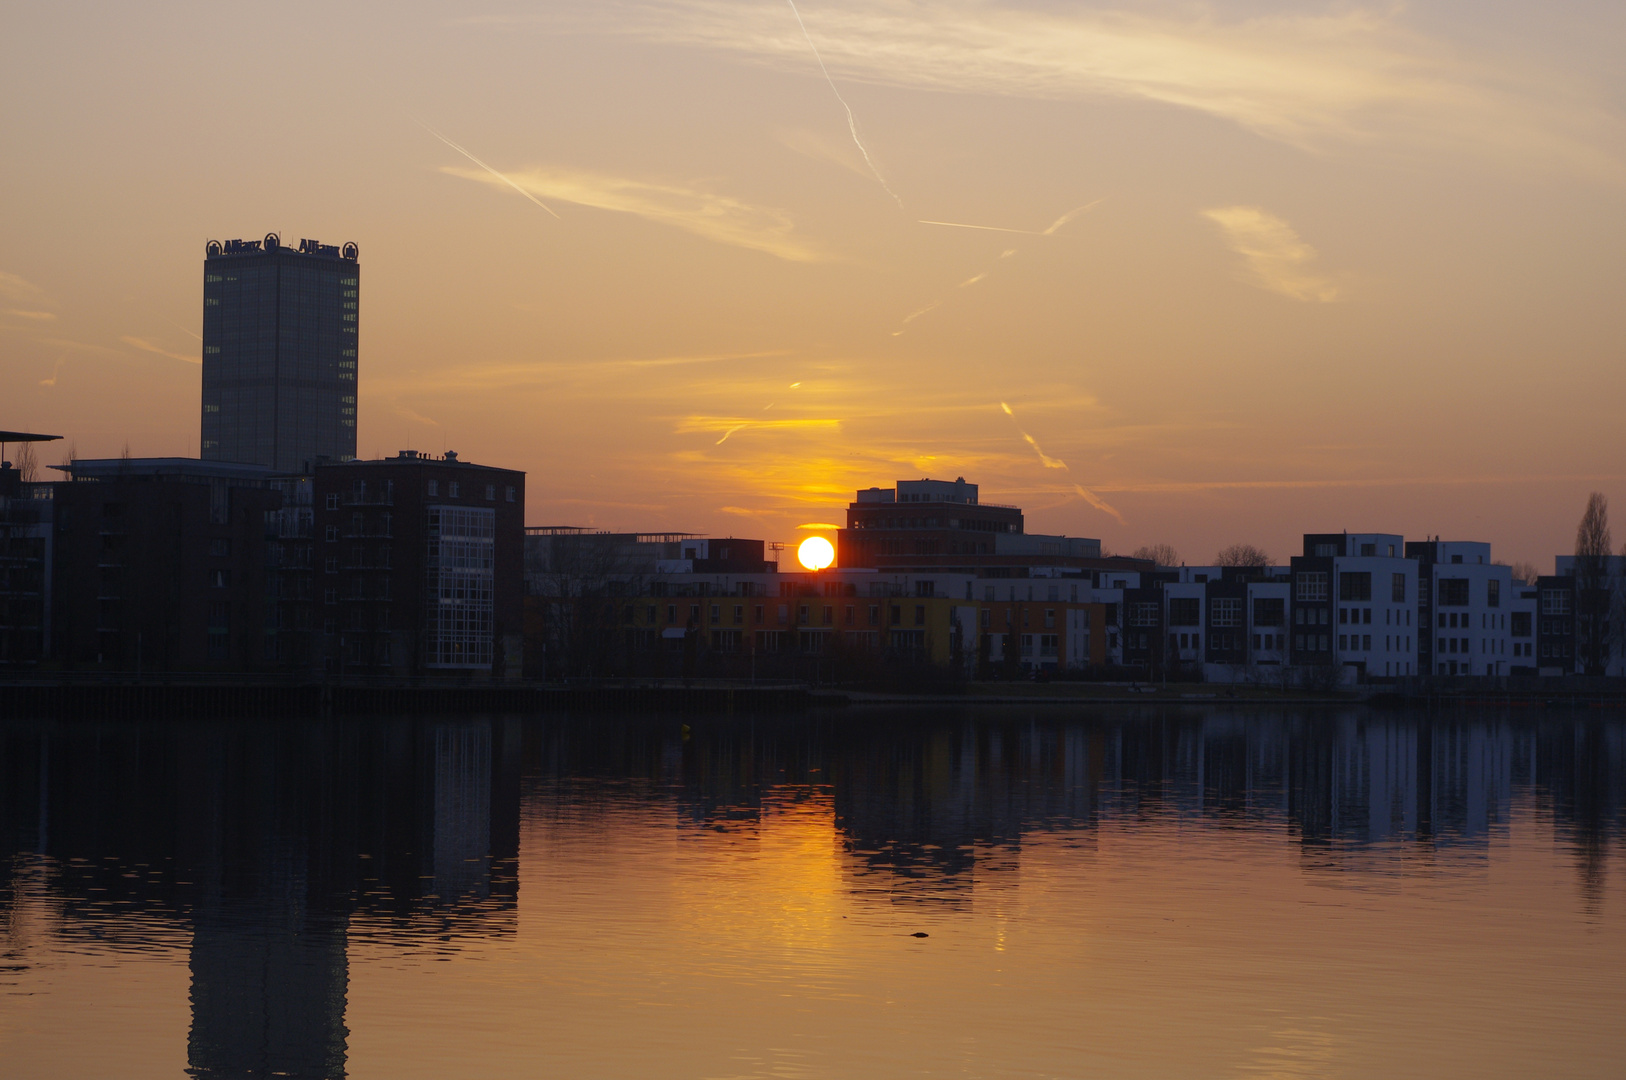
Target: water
(1115, 893)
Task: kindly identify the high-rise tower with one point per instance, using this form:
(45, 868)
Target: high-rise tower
(279, 352)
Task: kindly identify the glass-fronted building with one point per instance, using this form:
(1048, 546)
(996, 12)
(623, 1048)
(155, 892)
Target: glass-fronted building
(279, 352)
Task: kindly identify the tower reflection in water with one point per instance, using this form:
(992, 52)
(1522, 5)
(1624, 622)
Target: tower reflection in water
(278, 846)
(270, 842)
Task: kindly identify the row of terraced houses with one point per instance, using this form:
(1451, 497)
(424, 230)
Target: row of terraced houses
(416, 565)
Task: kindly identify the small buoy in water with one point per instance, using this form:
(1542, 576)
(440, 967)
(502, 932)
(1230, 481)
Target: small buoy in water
(920, 933)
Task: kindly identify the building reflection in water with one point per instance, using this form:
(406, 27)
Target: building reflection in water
(274, 844)
(927, 804)
(280, 846)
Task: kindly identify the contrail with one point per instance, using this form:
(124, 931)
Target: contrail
(1058, 223)
(182, 329)
(1098, 502)
(486, 167)
(1007, 253)
(852, 123)
(985, 228)
(1056, 463)
(1070, 215)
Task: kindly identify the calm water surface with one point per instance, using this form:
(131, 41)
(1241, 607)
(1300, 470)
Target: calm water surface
(1130, 893)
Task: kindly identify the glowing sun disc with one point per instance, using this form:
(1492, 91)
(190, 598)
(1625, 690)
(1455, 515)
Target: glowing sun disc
(816, 553)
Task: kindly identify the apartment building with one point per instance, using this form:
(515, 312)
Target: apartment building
(1464, 601)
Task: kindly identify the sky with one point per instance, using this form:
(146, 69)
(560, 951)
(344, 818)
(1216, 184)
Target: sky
(1175, 273)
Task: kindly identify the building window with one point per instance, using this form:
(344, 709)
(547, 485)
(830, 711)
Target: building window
(1555, 602)
(1493, 595)
(1453, 592)
(510, 492)
(451, 489)
(1269, 611)
(332, 533)
(1312, 585)
(1355, 586)
(491, 493)
(1397, 588)
(1225, 612)
(1185, 611)
(434, 489)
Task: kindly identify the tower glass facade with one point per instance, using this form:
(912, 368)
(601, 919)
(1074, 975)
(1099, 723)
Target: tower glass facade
(279, 352)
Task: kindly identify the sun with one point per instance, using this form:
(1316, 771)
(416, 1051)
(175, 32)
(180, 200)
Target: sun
(816, 553)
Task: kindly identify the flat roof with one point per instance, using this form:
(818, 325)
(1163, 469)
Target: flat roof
(165, 466)
(416, 457)
(25, 436)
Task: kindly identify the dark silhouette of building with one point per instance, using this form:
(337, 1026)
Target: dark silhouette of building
(279, 352)
(419, 566)
(941, 525)
(25, 561)
(159, 564)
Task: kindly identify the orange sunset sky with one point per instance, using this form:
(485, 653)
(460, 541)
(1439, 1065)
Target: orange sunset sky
(1241, 270)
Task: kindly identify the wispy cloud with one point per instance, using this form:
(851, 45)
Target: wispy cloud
(719, 218)
(1340, 76)
(588, 374)
(146, 346)
(18, 290)
(413, 415)
(1186, 487)
(21, 291)
(1273, 256)
(811, 144)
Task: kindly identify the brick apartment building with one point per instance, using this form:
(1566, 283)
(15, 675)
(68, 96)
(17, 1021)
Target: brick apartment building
(417, 565)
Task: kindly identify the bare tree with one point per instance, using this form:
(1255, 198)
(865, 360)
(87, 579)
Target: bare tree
(27, 462)
(1593, 546)
(1242, 555)
(1162, 554)
(1525, 572)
